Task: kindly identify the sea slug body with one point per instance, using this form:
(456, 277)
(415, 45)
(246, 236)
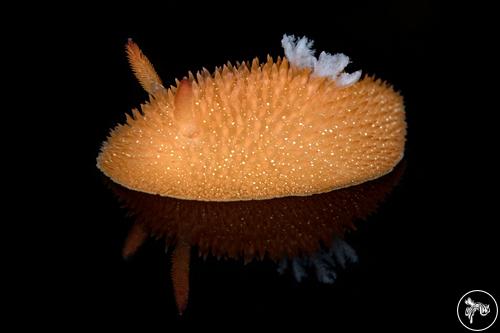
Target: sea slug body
(296, 125)
(291, 129)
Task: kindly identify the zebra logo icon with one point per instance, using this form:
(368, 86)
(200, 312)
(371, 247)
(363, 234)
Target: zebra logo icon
(477, 310)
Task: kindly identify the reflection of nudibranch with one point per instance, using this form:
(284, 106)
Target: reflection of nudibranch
(289, 230)
(296, 126)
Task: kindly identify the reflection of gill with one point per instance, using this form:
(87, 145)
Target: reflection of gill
(292, 231)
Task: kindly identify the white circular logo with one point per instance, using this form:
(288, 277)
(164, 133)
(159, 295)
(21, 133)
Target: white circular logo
(477, 310)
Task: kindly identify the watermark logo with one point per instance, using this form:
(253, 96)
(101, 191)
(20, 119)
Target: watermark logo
(477, 310)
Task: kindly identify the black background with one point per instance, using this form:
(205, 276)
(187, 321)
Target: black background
(428, 244)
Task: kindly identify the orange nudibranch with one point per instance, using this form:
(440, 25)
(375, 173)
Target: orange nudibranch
(294, 126)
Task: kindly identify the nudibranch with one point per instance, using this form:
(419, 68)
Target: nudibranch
(295, 126)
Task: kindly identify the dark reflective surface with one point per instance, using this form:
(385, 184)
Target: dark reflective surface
(275, 228)
(297, 232)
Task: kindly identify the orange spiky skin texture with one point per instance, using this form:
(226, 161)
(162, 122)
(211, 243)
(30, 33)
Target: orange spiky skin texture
(257, 131)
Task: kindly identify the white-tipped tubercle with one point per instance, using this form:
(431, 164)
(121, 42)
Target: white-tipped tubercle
(299, 53)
